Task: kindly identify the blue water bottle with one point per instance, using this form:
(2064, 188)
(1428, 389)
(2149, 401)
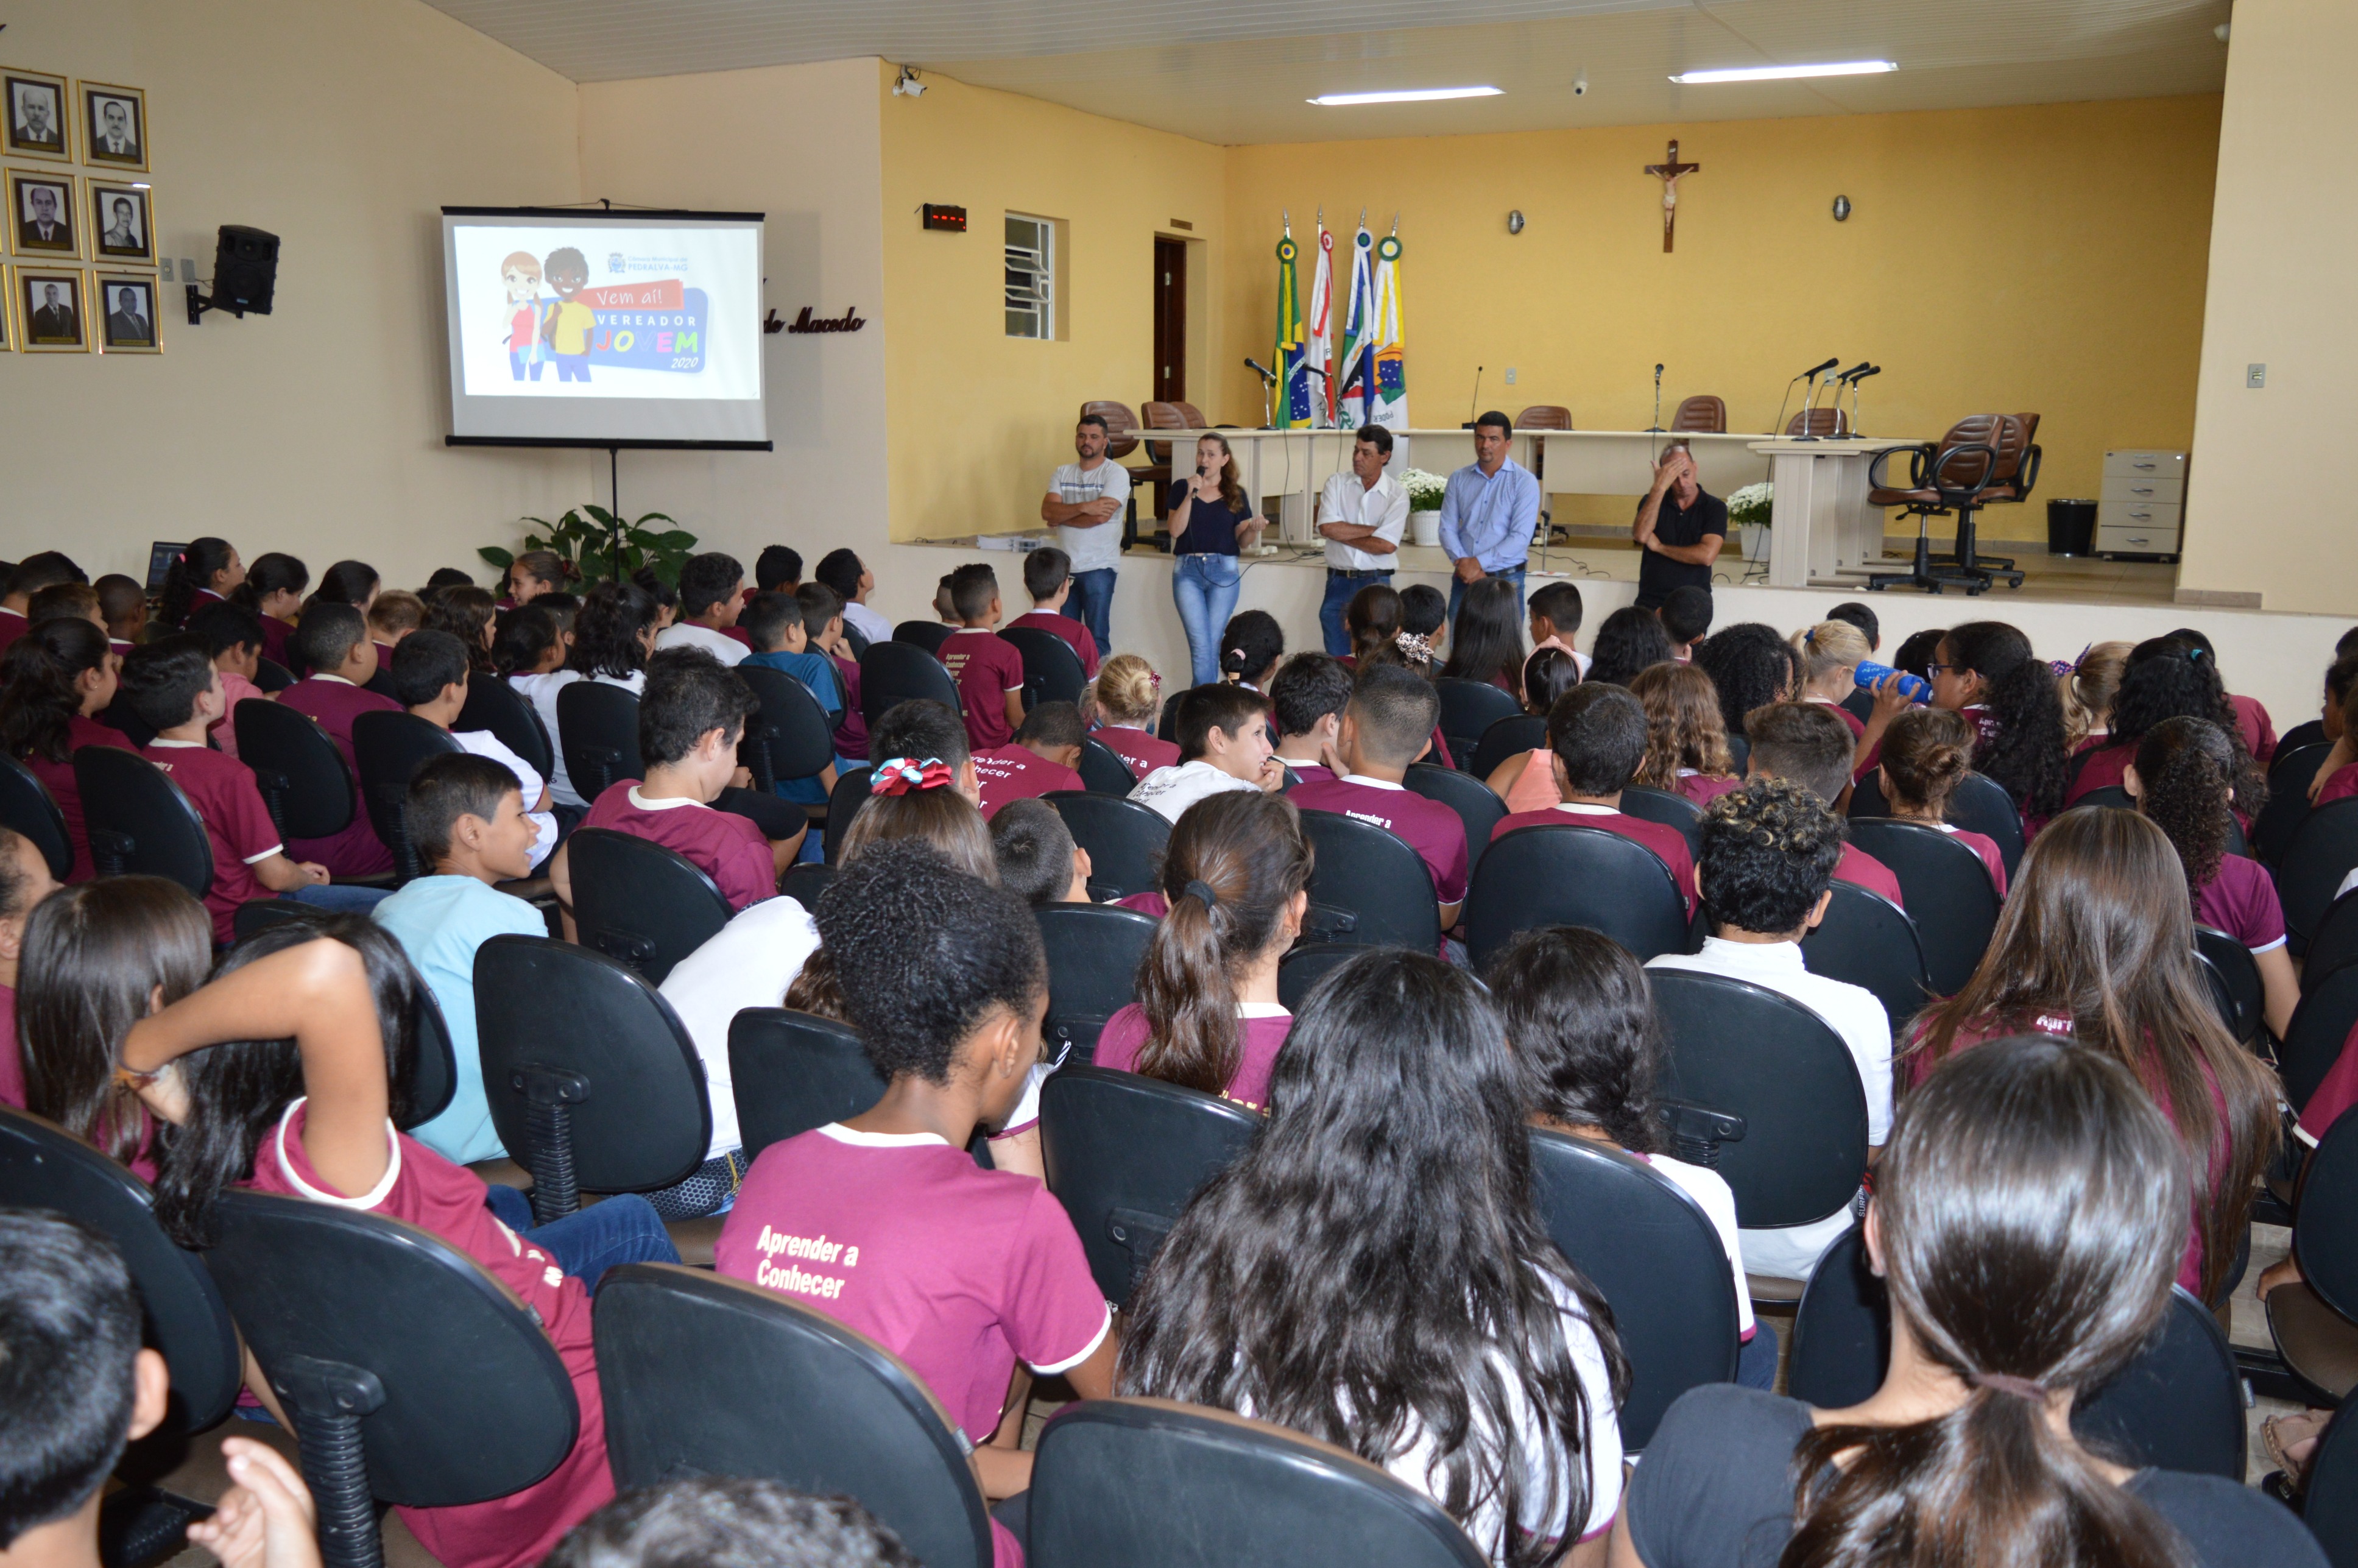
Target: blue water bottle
(1915, 687)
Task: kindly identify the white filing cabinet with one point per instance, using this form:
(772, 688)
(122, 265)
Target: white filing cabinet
(2142, 507)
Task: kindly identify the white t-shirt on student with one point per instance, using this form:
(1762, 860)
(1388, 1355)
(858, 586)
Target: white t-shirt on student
(1099, 547)
(749, 962)
(866, 621)
(680, 634)
(1171, 791)
(1717, 1199)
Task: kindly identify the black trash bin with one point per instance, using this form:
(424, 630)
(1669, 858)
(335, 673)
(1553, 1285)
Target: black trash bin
(2071, 527)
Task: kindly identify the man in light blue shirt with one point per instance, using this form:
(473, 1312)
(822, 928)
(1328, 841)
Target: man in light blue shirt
(467, 818)
(1488, 511)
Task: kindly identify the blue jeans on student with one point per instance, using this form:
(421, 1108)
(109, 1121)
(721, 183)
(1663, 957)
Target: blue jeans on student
(1091, 604)
(623, 1228)
(1457, 593)
(342, 897)
(1342, 587)
(1756, 1362)
(1205, 588)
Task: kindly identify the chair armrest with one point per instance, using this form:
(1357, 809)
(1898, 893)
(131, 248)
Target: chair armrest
(2026, 476)
(1989, 470)
(1325, 923)
(1918, 457)
(1696, 1131)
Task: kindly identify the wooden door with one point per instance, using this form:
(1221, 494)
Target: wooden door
(1170, 320)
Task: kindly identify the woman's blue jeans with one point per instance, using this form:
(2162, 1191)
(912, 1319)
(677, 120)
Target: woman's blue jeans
(1205, 588)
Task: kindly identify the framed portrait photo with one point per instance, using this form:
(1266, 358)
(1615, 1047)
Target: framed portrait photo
(50, 303)
(42, 219)
(36, 115)
(7, 317)
(114, 126)
(121, 219)
(124, 313)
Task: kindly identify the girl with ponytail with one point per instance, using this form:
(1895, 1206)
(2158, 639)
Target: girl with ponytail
(1208, 1015)
(273, 589)
(1985, 670)
(205, 572)
(2026, 1212)
(2165, 678)
(53, 682)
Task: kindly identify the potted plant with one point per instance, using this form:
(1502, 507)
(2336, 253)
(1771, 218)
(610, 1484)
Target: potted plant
(602, 546)
(1749, 513)
(1424, 491)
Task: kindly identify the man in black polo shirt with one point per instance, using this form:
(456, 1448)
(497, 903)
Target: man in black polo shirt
(1679, 527)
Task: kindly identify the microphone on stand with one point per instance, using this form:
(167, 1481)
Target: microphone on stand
(1656, 427)
(1266, 375)
(1861, 373)
(1810, 395)
(1267, 387)
(1474, 403)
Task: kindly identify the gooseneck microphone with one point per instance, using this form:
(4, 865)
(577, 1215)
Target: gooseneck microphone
(1266, 373)
(1474, 404)
(1816, 371)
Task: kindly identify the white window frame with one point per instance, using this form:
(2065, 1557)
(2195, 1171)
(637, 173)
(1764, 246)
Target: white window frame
(1032, 279)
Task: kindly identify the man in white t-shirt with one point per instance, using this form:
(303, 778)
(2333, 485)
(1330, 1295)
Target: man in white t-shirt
(710, 587)
(1361, 515)
(1085, 501)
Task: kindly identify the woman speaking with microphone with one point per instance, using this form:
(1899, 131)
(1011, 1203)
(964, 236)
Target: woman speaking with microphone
(1210, 519)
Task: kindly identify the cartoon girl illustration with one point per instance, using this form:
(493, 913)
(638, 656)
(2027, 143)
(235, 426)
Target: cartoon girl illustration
(521, 275)
(566, 327)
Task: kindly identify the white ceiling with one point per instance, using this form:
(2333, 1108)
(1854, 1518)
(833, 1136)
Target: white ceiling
(1238, 70)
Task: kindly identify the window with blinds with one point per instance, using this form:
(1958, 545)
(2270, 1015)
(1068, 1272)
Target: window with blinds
(1030, 276)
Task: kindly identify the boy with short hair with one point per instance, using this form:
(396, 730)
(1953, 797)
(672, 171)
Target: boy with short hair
(1686, 618)
(777, 569)
(467, 818)
(395, 614)
(1555, 610)
(1808, 743)
(780, 633)
(708, 587)
(843, 571)
(232, 635)
(122, 605)
(333, 640)
(31, 575)
(64, 601)
(1598, 736)
(1307, 696)
(1038, 861)
(1386, 727)
(1048, 578)
(1224, 744)
(823, 622)
(429, 677)
(1861, 617)
(1042, 757)
(987, 669)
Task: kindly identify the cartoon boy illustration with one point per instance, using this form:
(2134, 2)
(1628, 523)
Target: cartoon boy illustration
(566, 327)
(521, 274)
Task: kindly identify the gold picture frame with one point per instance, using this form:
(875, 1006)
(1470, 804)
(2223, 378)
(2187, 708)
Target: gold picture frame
(7, 317)
(101, 199)
(28, 98)
(32, 294)
(103, 107)
(110, 333)
(26, 213)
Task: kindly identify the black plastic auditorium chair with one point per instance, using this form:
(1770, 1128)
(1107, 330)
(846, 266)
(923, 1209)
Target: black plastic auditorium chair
(25, 808)
(1571, 875)
(2314, 1320)
(927, 634)
(1949, 893)
(1307, 963)
(1125, 839)
(2313, 1039)
(2289, 774)
(295, 765)
(1102, 769)
(2333, 944)
(1509, 736)
(806, 880)
(388, 749)
(1468, 707)
(271, 677)
(2119, 799)
(1220, 1488)
(493, 704)
(1375, 875)
(1981, 805)
(1124, 1155)
(1094, 951)
(2329, 1504)
(2178, 1406)
(593, 1083)
(709, 1376)
(1671, 809)
(794, 1071)
(139, 822)
(1052, 671)
(1476, 805)
(843, 804)
(1646, 1244)
(598, 728)
(788, 736)
(896, 671)
(2246, 995)
(641, 903)
(2321, 851)
(1870, 942)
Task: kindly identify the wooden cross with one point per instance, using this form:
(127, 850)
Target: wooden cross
(1670, 171)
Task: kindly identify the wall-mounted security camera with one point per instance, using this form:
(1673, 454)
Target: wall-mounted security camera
(1580, 85)
(907, 85)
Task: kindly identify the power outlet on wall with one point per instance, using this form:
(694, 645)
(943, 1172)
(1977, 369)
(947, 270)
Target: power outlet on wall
(1510, 375)
(2255, 376)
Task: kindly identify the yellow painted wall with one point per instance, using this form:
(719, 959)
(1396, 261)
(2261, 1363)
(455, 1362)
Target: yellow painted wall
(978, 419)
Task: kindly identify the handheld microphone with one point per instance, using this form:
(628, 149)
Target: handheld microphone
(1266, 375)
(1816, 371)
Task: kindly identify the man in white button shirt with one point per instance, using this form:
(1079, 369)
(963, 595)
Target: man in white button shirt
(710, 587)
(1087, 500)
(1768, 855)
(1361, 515)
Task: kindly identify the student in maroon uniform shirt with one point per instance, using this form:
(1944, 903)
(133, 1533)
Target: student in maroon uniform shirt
(1598, 735)
(987, 669)
(53, 684)
(1809, 743)
(1306, 699)
(1042, 756)
(273, 589)
(1927, 753)
(1387, 727)
(31, 575)
(333, 642)
(1048, 578)
(1126, 698)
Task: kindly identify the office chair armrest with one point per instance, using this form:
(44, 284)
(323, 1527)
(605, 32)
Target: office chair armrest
(1696, 1131)
(1325, 923)
(1955, 494)
(2026, 476)
(1918, 457)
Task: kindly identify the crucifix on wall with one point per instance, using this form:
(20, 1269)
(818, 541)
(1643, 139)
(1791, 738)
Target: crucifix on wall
(1670, 171)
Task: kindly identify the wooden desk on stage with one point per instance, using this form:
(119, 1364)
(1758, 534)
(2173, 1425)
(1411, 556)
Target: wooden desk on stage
(1822, 527)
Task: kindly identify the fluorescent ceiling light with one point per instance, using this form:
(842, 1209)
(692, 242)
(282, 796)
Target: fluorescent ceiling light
(1414, 95)
(1786, 73)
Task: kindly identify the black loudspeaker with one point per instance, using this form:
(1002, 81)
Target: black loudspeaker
(245, 270)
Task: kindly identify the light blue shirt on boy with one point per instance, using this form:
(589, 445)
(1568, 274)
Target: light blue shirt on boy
(440, 922)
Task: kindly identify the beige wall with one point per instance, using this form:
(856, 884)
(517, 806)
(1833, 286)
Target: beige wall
(2267, 512)
(341, 127)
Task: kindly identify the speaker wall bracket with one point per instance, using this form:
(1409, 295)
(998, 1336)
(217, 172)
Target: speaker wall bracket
(199, 305)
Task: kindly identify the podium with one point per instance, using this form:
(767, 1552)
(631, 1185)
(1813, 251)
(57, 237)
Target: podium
(1821, 527)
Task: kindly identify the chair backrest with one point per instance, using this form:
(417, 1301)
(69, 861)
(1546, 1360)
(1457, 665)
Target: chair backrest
(555, 1023)
(1478, 807)
(2333, 942)
(2236, 966)
(42, 1166)
(1119, 425)
(270, 676)
(1223, 1490)
(1468, 707)
(1102, 769)
(387, 750)
(1124, 1155)
(787, 736)
(2326, 1217)
(806, 880)
(598, 729)
(25, 808)
(638, 902)
(434, 1061)
(1756, 1054)
(1501, 739)
(1982, 805)
(1671, 809)
(296, 764)
(2322, 850)
(2329, 1504)
(843, 804)
(1968, 455)
(2319, 1026)
(1822, 422)
(1094, 951)
(927, 634)
(1168, 415)
(1870, 942)
(1572, 875)
(1544, 417)
(2288, 775)
(794, 1071)
(477, 1404)
(892, 673)
(1703, 414)
(495, 706)
(138, 821)
(1124, 840)
(1645, 1243)
(1947, 890)
(1052, 671)
(1307, 963)
(2179, 1405)
(1374, 874)
(709, 1376)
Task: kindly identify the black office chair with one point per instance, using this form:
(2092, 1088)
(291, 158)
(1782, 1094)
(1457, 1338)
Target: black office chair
(857, 638)
(2311, 1320)
(1166, 728)
(388, 749)
(1949, 893)
(434, 1063)
(1648, 1246)
(1094, 951)
(593, 1083)
(1377, 876)
(2335, 942)
(1870, 942)
(843, 804)
(1125, 839)
(1220, 1488)
(261, 913)
(1754, 1053)
(1671, 809)
(788, 736)
(1859, 704)
(1468, 708)
(2247, 996)
(1102, 769)
(2119, 799)
(2321, 851)
(138, 821)
(598, 729)
(641, 903)
(794, 1071)
(2179, 1405)
(2329, 1504)
(804, 882)
(895, 672)
(927, 634)
(2313, 1039)
(1478, 807)
(1052, 671)
(25, 808)
(272, 677)
(2288, 779)
(710, 1376)
(1510, 736)
(1969, 466)
(1572, 875)
(515, 722)
(302, 776)
(1307, 963)
(1124, 1155)
(1981, 805)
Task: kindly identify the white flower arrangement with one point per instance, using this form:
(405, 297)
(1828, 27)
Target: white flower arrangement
(1752, 505)
(1425, 489)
